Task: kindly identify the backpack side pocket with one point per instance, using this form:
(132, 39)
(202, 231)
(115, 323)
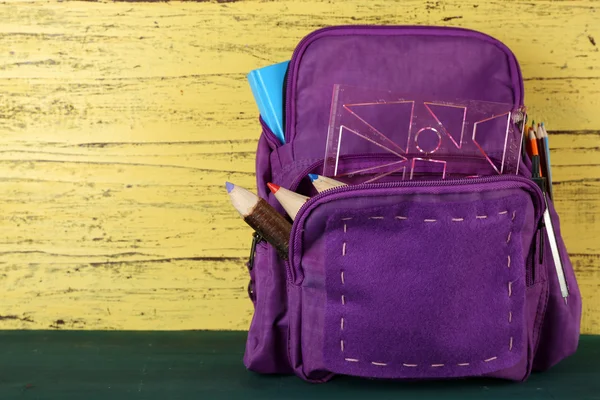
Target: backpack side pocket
(559, 335)
(266, 347)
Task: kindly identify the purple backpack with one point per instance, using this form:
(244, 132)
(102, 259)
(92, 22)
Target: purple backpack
(405, 280)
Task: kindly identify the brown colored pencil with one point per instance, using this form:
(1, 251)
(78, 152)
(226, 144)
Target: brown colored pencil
(261, 216)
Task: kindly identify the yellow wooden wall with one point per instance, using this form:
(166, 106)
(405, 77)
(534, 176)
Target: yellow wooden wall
(119, 123)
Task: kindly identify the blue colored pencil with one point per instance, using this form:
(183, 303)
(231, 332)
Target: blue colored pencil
(322, 183)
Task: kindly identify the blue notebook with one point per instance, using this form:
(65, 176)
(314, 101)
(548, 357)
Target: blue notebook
(267, 87)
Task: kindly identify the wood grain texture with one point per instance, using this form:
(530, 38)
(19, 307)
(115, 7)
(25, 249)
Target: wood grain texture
(119, 123)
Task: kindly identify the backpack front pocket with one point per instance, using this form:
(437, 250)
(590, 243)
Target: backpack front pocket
(414, 282)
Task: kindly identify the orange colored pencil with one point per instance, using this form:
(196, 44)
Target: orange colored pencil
(534, 147)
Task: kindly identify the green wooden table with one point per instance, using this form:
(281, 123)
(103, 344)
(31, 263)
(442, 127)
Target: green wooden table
(207, 365)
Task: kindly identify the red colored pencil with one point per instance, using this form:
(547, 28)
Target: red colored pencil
(289, 200)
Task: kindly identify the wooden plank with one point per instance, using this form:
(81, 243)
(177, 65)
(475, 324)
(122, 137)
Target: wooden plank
(119, 123)
(54, 291)
(155, 198)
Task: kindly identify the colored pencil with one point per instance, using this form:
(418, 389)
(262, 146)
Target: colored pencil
(527, 141)
(289, 200)
(322, 183)
(541, 151)
(533, 145)
(261, 216)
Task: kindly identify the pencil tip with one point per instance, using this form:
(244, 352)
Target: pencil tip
(274, 188)
(229, 186)
(313, 177)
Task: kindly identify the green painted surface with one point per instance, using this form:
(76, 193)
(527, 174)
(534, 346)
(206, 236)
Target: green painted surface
(207, 365)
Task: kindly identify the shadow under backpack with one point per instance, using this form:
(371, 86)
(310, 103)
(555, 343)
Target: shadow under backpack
(379, 299)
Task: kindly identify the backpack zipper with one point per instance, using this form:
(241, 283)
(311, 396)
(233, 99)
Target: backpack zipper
(290, 73)
(296, 182)
(538, 201)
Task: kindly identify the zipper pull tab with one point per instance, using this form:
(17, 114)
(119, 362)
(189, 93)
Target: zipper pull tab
(256, 238)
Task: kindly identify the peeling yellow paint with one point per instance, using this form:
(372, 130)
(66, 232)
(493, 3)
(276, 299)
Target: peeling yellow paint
(119, 123)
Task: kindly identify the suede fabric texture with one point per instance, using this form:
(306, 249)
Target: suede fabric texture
(319, 295)
(436, 299)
